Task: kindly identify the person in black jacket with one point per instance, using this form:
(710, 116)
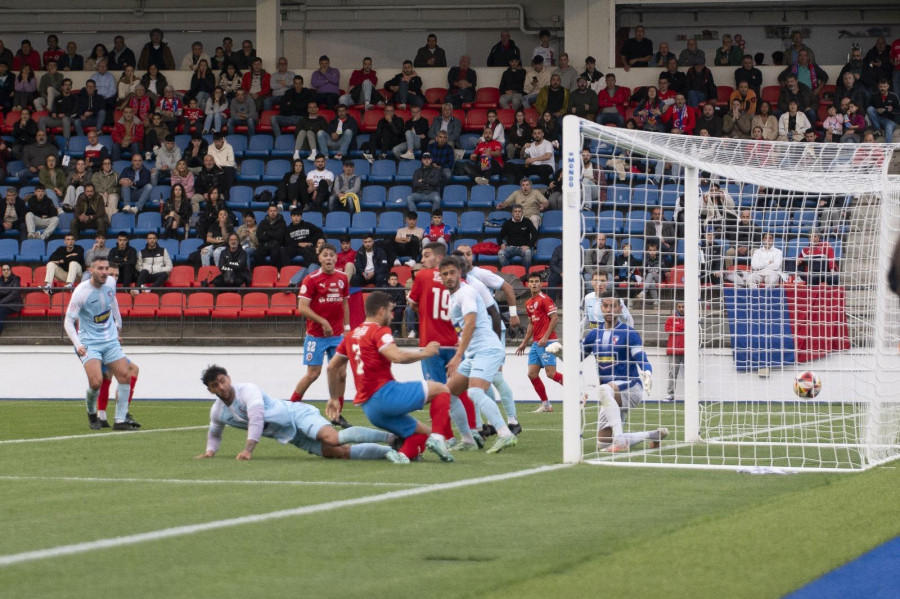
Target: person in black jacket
(301, 239)
(7, 87)
(406, 87)
(124, 258)
(517, 238)
(41, 214)
(389, 132)
(371, 264)
(294, 105)
(503, 51)
(292, 192)
(177, 213)
(195, 152)
(10, 296)
(66, 264)
(14, 212)
(512, 85)
(211, 176)
(234, 265)
(209, 212)
(24, 133)
(271, 234)
(90, 108)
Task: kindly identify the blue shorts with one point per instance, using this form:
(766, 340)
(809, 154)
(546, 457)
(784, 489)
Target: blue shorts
(389, 408)
(105, 351)
(540, 356)
(484, 365)
(316, 348)
(309, 422)
(435, 367)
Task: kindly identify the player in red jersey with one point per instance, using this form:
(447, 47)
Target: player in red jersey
(370, 349)
(431, 300)
(323, 302)
(542, 320)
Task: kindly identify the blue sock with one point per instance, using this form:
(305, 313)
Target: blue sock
(123, 390)
(361, 434)
(368, 451)
(90, 400)
(492, 395)
(490, 409)
(506, 396)
(459, 418)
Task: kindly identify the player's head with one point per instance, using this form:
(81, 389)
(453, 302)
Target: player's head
(450, 273)
(610, 307)
(432, 254)
(464, 264)
(216, 380)
(465, 251)
(534, 283)
(99, 270)
(379, 308)
(327, 257)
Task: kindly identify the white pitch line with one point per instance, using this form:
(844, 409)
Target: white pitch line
(178, 531)
(109, 435)
(203, 481)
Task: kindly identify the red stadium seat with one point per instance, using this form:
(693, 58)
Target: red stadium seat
(487, 97)
(489, 267)
(11, 117)
(828, 92)
(171, 305)
(145, 305)
(24, 273)
(255, 305)
(531, 117)
(264, 276)
(39, 276)
(434, 97)
(674, 278)
(770, 95)
(284, 276)
(370, 120)
(199, 304)
(181, 276)
(507, 116)
(429, 114)
(265, 121)
(58, 303)
(476, 119)
(283, 304)
(206, 274)
(36, 304)
(724, 92)
(228, 305)
(403, 273)
(125, 302)
(517, 270)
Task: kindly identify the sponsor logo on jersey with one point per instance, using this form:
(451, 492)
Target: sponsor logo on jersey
(102, 317)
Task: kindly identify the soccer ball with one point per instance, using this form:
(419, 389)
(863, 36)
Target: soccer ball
(807, 385)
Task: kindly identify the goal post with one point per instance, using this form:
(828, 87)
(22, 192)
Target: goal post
(826, 217)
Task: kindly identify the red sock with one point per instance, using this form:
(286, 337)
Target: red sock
(469, 405)
(131, 392)
(341, 400)
(296, 396)
(414, 445)
(557, 376)
(538, 385)
(440, 415)
(103, 396)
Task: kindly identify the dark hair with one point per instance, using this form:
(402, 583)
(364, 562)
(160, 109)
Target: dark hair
(437, 212)
(534, 275)
(411, 214)
(324, 57)
(344, 238)
(365, 58)
(437, 248)
(123, 234)
(368, 236)
(376, 301)
(248, 213)
(211, 373)
(449, 261)
(406, 62)
(328, 246)
(38, 186)
(98, 257)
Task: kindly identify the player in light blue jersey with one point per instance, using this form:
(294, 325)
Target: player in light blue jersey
(94, 309)
(479, 354)
(247, 407)
(624, 374)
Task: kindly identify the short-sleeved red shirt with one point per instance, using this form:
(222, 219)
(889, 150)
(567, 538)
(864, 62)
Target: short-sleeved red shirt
(539, 310)
(371, 370)
(429, 293)
(326, 294)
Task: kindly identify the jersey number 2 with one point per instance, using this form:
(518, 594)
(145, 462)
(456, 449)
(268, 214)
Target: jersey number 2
(359, 362)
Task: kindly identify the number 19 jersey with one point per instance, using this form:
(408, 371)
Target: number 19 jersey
(371, 370)
(429, 293)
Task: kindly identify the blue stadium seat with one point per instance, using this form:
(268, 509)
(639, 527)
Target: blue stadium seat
(471, 223)
(65, 223)
(187, 247)
(620, 195)
(396, 196)
(497, 215)
(336, 223)
(633, 224)
(389, 222)
(335, 166)
(464, 241)
(483, 196)
(260, 146)
(373, 197)
(468, 141)
(454, 196)
(51, 247)
(139, 244)
(545, 247)
(777, 222)
(181, 140)
(362, 223)
(359, 140)
(382, 171)
(255, 205)
(86, 244)
(8, 249)
(668, 198)
(147, 222)
(405, 171)
(77, 144)
(238, 144)
(240, 197)
(314, 218)
(804, 221)
(450, 219)
(552, 222)
(120, 165)
(361, 168)
(645, 196)
(503, 192)
(171, 246)
(275, 170)
(637, 246)
(251, 170)
(609, 222)
(31, 250)
(284, 146)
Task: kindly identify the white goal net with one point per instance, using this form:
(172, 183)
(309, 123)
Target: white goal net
(778, 254)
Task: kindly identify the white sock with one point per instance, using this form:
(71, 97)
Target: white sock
(633, 439)
(438, 437)
(101, 414)
(611, 409)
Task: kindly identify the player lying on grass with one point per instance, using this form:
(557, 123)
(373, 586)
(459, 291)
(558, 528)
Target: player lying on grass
(93, 323)
(370, 350)
(479, 354)
(245, 406)
(624, 375)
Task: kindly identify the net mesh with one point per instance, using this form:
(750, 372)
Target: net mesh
(790, 245)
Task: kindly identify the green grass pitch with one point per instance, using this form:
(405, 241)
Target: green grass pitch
(582, 531)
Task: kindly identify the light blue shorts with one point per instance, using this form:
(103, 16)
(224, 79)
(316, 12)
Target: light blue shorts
(483, 365)
(105, 351)
(316, 348)
(540, 356)
(389, 408)
(309, 422)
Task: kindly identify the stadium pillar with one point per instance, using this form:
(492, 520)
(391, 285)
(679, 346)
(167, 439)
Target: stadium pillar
(590, 31)
(268, 32)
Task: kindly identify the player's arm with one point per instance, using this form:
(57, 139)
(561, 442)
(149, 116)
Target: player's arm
(305, 310)
(494, 313)
(465, 338)
(256, 421)
(214, 434)
(336, 383)
(554, 320)
(346, 305)
(415, 293)
(70, 320)
(409, 356)
(526, 340)
(510, 295)
(639, 356)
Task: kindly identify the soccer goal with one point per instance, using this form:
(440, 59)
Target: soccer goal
(779, 253)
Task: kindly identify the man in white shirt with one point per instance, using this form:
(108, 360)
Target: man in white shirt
(539, 161)
(223, 155)
(319, 183)
(536, 77)
(192, 58)
(765, 264)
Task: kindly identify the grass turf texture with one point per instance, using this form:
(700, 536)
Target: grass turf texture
(571, 532)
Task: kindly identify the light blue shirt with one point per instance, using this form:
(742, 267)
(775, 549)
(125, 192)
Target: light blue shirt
(278, 418)
(96, 311)
(106, 84)
(466, 300)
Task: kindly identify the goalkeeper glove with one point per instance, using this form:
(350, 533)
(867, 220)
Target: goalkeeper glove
(647, 380)
(556, 349)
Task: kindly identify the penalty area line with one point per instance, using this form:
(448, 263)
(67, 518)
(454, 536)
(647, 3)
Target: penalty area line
(203, 481)
(109, 435)
(179, 531)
